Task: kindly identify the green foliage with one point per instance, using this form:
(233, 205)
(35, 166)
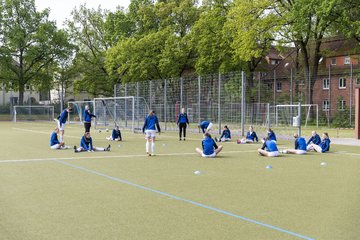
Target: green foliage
(30, 44)
(341, 118)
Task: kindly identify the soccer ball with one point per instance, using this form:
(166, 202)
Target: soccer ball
(107, 130)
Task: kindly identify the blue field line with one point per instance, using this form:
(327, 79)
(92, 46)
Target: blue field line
(186, 200)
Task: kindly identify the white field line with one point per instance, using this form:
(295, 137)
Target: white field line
(108, 157)
(42, 132)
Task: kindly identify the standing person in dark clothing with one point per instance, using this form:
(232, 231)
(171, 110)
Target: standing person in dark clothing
(87, 118)
(182, 122)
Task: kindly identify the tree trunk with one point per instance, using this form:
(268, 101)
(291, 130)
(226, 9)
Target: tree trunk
(21, 94)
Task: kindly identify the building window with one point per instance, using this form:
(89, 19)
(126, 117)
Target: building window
(278, 86)
(270, 86)
(357, 80)
(326, 83)
(342, 105)
(333, 61)
(342, 83)
(326, 105)
(274, 61)
(347, 60)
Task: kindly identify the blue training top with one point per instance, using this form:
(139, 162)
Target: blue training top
(88, 116)
(270, 146)
(209, 146)
(116, 134)
(252, 136)
(182, 118)
(325, 145)
(226, 134)
(54, 139)
(314, 139)
(86, 143)
(300, 143)
(150, 123)
(204, 125)
(63, 116)
(272, 136)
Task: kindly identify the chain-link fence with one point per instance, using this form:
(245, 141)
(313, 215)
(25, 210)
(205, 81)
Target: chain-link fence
(327, 99)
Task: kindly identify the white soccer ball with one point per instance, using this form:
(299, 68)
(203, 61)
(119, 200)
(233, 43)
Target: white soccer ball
(197, 172)
(323, 164)
(107, 130)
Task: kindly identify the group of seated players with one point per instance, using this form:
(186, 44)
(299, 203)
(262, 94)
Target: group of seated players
(269, 147)
(209, 146)
(86, 142)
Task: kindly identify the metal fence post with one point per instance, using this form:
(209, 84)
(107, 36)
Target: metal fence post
(165, 95)
(243, 102)
(329, 105)
(299, 110)
(219, 103)
(268, 115)
(199, 99)
(150, 93)
(274, 87)
(137, 103)
(351, 92)
(181, 93)
(125, 107)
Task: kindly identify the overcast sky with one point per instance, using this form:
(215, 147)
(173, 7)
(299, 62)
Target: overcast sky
(61, 9)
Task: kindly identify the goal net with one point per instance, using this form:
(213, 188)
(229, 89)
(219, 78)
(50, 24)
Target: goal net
(125, 112)
(78, 107)
(33, 113)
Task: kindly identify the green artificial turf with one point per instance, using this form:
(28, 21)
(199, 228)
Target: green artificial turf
(42, 197)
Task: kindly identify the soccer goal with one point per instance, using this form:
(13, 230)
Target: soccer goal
(33, 113)
(78, 108)
(126, 112)
(284, 114)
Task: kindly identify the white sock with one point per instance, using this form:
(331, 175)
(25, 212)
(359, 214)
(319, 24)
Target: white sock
(99, 149)
(61, 138)
(152, 147)
(79, 149)
(147, 146)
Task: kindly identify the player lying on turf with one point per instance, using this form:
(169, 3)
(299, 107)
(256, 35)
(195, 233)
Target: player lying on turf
(315, 138)
(209, 147)
(271, 148)
(116, 135)
(151, 121)
(324, 145)
(225, 136)
(300, 146)
(182, 122)
(62, 121)
(54, 142)
(250, 137)
(86, 144)
(205, 126)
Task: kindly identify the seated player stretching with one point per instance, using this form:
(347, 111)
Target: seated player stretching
(86, 144)
(271, 148)
(225, 136)
(209, 147)
(324, 145)
(315, 138)
(54, 142)
(250, 137)
(205, 126)
(116, 135)
(300, 146)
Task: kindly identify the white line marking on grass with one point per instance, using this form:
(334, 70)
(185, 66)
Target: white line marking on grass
(186, 200)
(107, 157)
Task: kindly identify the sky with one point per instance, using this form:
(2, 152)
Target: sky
(61, 9)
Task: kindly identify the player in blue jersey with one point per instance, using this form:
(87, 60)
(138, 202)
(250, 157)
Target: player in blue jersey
(300, 146)
(87, 118)
(271, 134)
(86, 144)
(324, 145)
(150, 125)
(271, 148)
(205, 126)
(116, 135)
(225, 136)
(209, 147)
(54, 142)
(251, 137)
(182, 122)
(62, 121)
(315, 138)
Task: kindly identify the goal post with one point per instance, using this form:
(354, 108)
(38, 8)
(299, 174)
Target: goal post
(33, 113)
(284, 113)
(125, 112)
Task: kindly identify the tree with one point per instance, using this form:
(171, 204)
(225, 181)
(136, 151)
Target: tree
(30, 45)
(88, 31)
